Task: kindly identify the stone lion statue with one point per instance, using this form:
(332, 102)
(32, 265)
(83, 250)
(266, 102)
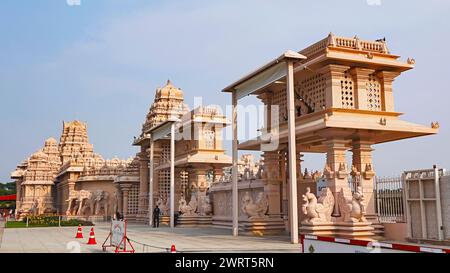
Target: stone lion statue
(188, 209)
(352, 210)
(256, 209)
(317, 211)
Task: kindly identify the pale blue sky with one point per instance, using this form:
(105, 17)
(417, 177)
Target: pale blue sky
(101, 62)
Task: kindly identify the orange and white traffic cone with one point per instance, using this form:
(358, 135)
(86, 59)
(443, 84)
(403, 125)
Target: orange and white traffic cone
(79, 233)
(92, 240)
(173, 249)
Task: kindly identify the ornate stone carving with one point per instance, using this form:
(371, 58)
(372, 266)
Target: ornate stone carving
(188, 209)
(411, 61)
(328, 172)
(76, 201)
(307, 174)
(99, 202)
(88, 203)
(163, 205)
(255, 210)
(34, 210)
(342, 173)
(316, 175)
(354, 171)
(206, 206)
(115, 202)
(318, 211)
(352, 210)
(368, 172)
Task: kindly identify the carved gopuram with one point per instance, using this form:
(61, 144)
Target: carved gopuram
(177, 174)
(334, 97)
(68, 178)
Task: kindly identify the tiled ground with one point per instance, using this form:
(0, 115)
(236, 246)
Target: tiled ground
(61, 240)
(1, 231)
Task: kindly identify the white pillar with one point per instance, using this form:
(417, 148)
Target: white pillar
(438, 204)
(172, 175)
(150, 186)
(234, 193)
(293, 210)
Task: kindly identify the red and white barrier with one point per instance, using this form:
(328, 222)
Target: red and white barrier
(320, 244)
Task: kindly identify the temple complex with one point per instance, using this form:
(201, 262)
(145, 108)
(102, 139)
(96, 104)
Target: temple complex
(333, 98)
(68, 177)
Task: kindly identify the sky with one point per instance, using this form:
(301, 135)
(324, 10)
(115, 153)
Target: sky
(102, 60)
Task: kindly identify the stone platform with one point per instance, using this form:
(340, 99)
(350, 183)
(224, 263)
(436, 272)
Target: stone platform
(194, 221)
(261, 226)
(361, 230)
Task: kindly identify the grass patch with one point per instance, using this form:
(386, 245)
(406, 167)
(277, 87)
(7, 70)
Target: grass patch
(47, 222)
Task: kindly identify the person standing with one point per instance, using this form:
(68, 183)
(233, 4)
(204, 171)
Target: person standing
(156, 214)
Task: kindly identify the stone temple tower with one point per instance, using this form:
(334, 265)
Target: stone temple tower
(169, 101)
(74, 141)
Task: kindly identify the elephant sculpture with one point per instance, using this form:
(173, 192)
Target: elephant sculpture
(99, 202)
(76, 202)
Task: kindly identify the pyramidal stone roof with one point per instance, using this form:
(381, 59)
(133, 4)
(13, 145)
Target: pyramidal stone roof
(169, 101)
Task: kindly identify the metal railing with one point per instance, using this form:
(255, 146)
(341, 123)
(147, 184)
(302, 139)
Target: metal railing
(389, 199)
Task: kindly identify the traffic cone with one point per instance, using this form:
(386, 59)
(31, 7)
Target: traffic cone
(173, 249)
(92, 240)
(79, 233)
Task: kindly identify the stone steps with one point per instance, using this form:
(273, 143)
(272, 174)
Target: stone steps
(262, 226)
(194, 221)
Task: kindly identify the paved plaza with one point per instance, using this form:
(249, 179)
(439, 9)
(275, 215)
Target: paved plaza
(144, 238)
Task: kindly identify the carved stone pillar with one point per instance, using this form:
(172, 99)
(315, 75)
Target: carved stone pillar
(19, 195)
(70, 190)
(71, 186)
(125, 202)
(362, 167)
(284, 184)
(334, 74)
(144, 182)
(120, 202)
(273, 182)
(178, 187)
(299, 166)
(387, 78)
(336, 170)
(361, 77)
